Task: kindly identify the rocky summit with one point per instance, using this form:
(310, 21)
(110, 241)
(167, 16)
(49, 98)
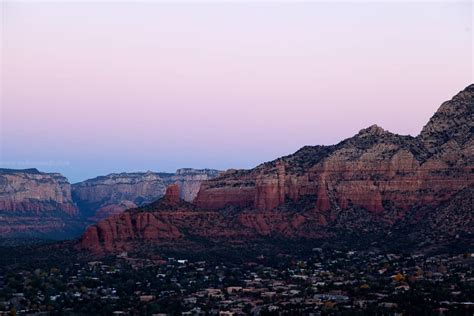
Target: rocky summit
(375, 181)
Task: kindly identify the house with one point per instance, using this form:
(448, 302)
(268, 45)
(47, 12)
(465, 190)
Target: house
(146, 298)
(234, 289)
(268, 295)
(190, 300)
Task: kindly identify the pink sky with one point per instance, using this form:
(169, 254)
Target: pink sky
(92, 88)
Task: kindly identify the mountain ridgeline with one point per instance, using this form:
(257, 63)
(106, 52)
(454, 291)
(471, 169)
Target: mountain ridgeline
(114, 193)
(38, 204)
(373, 182)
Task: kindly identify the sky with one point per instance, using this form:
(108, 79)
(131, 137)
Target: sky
(90, 88)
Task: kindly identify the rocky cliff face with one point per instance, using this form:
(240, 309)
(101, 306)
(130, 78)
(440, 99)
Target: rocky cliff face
(373, 180)
(386, 174)
(171, 219)
(451, 127)
(32, 202)
(29, 190)
(114, 193)
(189, 181)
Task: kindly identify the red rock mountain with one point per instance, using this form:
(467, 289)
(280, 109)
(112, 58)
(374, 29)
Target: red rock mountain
(34, 202)
(37, 204)
(112, 194)
(375, 179)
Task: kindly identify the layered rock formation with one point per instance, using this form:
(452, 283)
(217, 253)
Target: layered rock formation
(29, 190)
(172, 219)
(34, 202)
(189, 181)
(374, 180)
(377, 170)
(114, 193)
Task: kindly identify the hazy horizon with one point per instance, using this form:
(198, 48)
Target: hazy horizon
(90, 88)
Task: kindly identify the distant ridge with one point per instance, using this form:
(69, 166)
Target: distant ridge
(13, 171)
(46, 205)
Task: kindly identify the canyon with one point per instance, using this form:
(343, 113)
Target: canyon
(33, 201)
(373, 181)
(114, 193)
(38, 204)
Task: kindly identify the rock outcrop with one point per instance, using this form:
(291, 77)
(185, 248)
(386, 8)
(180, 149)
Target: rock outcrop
(377, 170)
(112, 194)
(189, 181)
(113, 232)
(172, 219)
(452, 125)
(371, 181)
(29, 190)
(34, 202)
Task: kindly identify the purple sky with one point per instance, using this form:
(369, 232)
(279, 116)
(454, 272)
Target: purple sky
(90, 88)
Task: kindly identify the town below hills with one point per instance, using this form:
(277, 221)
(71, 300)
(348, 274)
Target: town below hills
(377, 224)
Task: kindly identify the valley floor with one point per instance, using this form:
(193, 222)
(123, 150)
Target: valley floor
(258, 277)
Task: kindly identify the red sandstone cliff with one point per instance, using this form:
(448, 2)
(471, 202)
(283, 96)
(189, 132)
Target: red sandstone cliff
(377, 170)
(112, 194)
(33, 203)
(374, 179)
(172, 219)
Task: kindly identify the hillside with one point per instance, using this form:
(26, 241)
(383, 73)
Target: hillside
(371, 182)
